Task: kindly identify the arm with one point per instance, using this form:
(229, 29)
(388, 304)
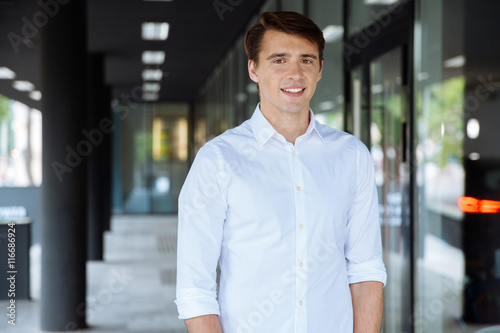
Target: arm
(202, 212)
(204, 324)
(363, 250)
(368, 306)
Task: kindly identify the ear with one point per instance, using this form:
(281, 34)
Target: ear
(252, 71)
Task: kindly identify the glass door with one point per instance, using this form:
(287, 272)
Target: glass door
(379, 107)
(387, 132)
(379, 118)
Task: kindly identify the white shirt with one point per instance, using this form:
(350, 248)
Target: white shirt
(291, 226)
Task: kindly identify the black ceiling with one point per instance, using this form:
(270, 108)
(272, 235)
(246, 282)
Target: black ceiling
(199, 37)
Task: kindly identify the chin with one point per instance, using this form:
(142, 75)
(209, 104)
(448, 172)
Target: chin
(294, 108)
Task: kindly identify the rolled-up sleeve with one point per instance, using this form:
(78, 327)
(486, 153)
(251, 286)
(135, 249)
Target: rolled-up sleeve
(363, 246)
(202, 212)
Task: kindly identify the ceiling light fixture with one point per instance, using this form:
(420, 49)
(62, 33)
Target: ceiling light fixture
(150, 97)
(151, 87)
(473, 128)
(35, 95)
(152, 74)
(155, 30)
(153, 57)
(23, 85)
(6, 73)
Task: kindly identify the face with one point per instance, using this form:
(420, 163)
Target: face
(287, 72)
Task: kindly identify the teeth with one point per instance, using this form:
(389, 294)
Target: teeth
(293, 90)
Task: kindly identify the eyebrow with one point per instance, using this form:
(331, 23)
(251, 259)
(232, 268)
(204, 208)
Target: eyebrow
(280, 55)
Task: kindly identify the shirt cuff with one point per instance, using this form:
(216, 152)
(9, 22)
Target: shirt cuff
(195, 302)
(373, 270)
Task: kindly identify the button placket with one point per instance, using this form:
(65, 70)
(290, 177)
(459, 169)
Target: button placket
(300, 240)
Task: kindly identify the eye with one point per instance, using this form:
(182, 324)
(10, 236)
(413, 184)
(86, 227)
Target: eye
(307, 61)
(278, 61)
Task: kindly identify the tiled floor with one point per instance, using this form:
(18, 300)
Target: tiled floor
(132, 290)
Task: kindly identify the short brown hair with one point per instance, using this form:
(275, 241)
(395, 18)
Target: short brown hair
(288, 22)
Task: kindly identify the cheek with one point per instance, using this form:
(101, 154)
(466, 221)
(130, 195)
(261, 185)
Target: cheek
(271, 78)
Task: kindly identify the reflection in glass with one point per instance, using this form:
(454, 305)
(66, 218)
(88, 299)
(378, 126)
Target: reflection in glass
(385, 136)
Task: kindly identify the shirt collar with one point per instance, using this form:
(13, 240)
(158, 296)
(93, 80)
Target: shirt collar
(263, 130)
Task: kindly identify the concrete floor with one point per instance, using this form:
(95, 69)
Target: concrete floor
(132, 290)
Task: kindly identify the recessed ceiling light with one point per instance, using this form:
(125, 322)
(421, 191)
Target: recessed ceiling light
(23, 85)
(150, 97)
(155, 30)
(6, 73)
(151, 87)
(35, 95)
(153, 57)
(152, 74)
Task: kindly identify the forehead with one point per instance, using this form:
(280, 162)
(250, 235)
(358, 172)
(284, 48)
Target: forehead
(279, 42)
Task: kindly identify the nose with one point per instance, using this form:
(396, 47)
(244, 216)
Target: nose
(294, 71)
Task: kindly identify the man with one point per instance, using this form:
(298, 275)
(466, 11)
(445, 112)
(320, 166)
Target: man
(286, 206)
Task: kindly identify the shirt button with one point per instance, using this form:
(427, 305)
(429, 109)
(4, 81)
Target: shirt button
(294, 153)
(301, 226)
(301, 303)
(301, 264)
(298, 188)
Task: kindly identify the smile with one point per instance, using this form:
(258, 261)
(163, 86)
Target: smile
(295, 90)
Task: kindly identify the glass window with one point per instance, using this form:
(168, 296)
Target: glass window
(152, 155)
(457, 252)
(328, 101)
(20, 144)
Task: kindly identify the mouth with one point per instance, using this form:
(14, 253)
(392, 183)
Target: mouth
(294, 92)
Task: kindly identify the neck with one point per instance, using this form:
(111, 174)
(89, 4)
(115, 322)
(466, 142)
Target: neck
(290, 125)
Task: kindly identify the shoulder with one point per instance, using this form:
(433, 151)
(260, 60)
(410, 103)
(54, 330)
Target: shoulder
(231, 137)
(340, 138)
(231, 141)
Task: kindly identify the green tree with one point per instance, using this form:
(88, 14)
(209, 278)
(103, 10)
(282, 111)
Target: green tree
(4, 108)
(445, 124)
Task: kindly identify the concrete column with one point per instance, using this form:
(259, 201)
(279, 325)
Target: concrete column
(99, 162)
(63, 61)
